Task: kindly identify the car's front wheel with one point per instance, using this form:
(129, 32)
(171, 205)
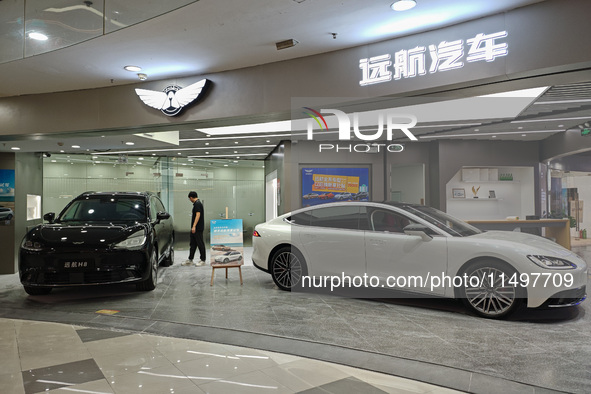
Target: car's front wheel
(150, 283)
(33, 290)
(169, 260)
(287, 268)
(487, 291)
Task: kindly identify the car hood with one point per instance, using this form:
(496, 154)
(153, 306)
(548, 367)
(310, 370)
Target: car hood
(83, 234)
(537, 244)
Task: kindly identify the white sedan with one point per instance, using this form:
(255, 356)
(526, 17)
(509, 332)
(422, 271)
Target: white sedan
(6, 213)
(417, 249)
(228, 257)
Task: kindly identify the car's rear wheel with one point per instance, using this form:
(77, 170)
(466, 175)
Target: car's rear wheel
(487, 291)
(287, 268)
(33, 290)
(150, 283)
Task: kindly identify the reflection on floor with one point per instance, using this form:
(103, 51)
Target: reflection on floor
(58, 358)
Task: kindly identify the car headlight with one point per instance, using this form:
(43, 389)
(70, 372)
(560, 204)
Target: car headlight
(134, 241)
(32, 246)
(552, 262)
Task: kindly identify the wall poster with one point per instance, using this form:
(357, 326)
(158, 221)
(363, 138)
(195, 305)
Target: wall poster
(322, 185)
(6, 197)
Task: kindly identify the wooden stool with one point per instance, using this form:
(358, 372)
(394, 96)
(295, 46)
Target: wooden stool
(226, 266)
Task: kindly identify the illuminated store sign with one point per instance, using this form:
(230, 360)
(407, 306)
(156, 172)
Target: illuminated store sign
(408, 63)
(173, 98)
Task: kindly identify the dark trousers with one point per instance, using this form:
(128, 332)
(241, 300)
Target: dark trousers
(197, 242)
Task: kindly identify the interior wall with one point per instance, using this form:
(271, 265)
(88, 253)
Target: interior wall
(7, 232)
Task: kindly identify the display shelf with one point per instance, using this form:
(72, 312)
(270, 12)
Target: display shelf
(474, 199)
(490, 181)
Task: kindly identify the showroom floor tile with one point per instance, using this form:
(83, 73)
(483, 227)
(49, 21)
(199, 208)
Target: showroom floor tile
(121, 362)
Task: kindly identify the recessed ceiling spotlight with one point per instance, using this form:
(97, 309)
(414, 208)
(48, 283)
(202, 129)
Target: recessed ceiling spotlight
(523, 135)
(403, 5)
(62, 151)
(129, 143)
(494, 136)
(15, 148)
(207, 143)
(140, 158)
(235, 161)
(133, 68)
(268, 141)
(76, 146)
(38, 36)
(235, 142)
(142, 76)
(476, 129)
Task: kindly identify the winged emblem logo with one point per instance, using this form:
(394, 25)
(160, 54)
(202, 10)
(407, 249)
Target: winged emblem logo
(173, 98)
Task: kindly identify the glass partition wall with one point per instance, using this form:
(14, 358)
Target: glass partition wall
(235, 187)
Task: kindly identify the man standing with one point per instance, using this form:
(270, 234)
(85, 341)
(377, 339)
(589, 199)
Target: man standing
(197, 227)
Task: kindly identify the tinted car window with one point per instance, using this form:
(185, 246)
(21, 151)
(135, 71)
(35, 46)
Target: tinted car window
(388, 221)
(302, 218)
(110, 209)
(347, 217)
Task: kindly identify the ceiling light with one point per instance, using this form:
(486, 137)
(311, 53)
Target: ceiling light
(235, 142)
(207, 143)
(15, 148)
(142, 77)
(129, 143)
(76, 146)
(38, 36)
(133, 68)
(523, 135)
(403, 5)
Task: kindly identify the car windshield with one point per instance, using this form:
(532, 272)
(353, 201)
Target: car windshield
(443, 221)
(105, 209)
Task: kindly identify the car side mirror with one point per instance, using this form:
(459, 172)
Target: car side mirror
(162, 215)
(418, 230)
(50, 217)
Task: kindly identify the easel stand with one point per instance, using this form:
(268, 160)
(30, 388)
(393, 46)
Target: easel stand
(226, 266)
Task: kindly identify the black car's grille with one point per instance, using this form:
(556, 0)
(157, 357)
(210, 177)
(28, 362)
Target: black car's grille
(71, 278)
(83, 268)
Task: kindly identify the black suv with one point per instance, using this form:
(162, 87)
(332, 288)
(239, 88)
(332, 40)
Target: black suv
(99, 238)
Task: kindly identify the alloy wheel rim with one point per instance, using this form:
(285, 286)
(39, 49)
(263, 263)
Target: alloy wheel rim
(490, 297)
(287, 269)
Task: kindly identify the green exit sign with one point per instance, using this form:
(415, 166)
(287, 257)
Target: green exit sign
(585, 131)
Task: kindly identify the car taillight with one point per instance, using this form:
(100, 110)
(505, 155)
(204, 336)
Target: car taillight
(256, 234)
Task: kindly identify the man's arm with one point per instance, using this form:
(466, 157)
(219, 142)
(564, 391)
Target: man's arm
(197, 216)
